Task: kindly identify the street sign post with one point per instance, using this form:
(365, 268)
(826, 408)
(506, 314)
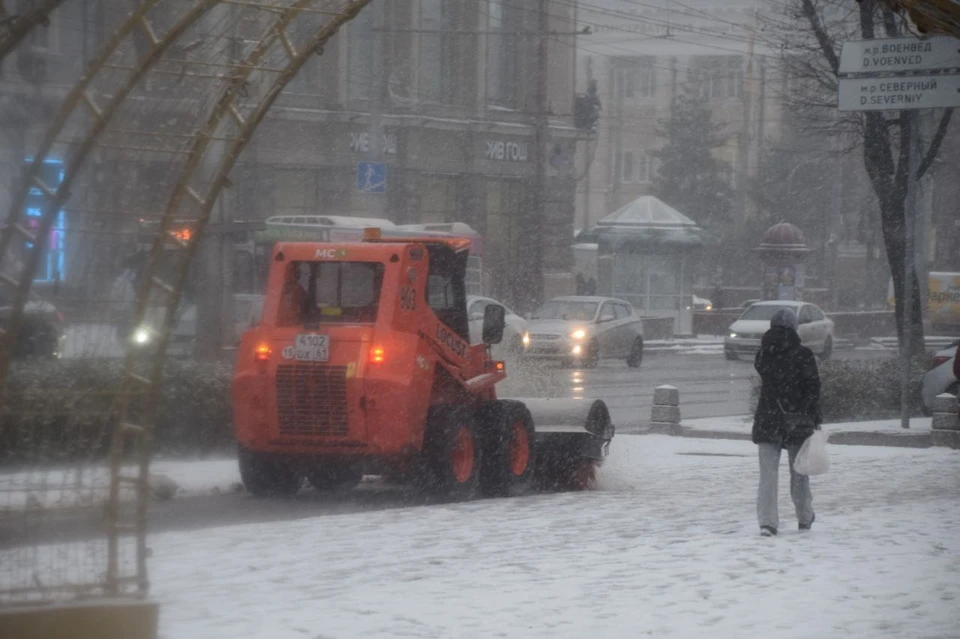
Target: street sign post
(899, 92)
(372, 177)
(884, 75)
(899, 54)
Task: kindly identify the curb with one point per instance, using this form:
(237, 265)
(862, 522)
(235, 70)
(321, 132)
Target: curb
(843, 438)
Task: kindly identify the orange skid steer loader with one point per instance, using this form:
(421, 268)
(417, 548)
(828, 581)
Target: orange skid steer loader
(362, 365)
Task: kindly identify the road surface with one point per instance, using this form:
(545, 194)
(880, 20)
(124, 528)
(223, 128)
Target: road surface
(710, 386)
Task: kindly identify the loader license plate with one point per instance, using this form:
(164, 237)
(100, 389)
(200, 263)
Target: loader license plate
(312, 348)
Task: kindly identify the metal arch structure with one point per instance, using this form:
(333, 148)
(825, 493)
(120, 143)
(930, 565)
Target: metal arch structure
(235, 108)
(244, 120)
(79, 97)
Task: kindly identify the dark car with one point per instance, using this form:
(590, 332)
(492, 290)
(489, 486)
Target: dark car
(41, 331)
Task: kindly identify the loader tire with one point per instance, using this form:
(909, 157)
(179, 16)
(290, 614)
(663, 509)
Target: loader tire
(452, 454)
(268, 474)
(509, 448)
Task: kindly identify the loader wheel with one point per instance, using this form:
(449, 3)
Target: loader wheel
(636, 353)
(509, 450)
(333, 477)
(452, 453)
(267, 474)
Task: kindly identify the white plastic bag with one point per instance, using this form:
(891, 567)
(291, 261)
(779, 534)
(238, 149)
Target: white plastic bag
(812, 458)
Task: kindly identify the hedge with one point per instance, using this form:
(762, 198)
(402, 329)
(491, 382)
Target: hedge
(863, 390)
(57, 410)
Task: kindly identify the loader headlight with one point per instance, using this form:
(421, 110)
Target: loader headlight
(576, 350)
(578, 334)
(525, 339)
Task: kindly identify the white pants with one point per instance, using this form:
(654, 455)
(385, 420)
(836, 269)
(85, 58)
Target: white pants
(767, 511)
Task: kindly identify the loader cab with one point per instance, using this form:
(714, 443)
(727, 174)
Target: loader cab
(316, 292)
(446, 291)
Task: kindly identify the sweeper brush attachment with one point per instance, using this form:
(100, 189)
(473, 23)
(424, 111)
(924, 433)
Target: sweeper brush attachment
(572, 438)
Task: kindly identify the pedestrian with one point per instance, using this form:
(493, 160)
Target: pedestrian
(788, 412)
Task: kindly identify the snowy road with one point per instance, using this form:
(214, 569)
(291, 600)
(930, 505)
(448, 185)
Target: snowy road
(667, 548)
(710, 386)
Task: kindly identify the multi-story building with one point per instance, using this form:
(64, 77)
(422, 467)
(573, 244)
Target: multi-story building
(642, 56)
(453, 96)
(448, 87)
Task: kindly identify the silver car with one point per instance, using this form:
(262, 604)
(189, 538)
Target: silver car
(581, 330)
(940, 377)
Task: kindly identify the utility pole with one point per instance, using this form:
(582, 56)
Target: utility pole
(377, 203)
(909, 271)
(618, 86)
(534, 221)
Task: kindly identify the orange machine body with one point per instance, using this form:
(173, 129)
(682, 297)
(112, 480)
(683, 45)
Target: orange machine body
(367, 395)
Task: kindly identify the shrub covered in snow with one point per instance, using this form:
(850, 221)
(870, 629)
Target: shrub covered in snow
(852, 390)
(67, 409)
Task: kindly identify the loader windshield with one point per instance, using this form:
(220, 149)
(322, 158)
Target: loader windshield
(331, 292)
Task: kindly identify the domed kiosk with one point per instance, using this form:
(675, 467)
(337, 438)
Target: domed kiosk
(783, 249)
(643, 252)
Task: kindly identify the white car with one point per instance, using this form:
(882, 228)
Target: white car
(513, 331)
(584, 329)
(940, 377)
(815, 328)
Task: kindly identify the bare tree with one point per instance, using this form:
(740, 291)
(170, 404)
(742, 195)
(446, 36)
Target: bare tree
(810, 34)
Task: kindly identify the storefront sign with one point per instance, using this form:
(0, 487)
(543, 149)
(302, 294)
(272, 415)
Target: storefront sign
(504, 151)
(360, 143)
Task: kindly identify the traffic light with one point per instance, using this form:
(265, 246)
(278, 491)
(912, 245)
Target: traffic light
(586, 108)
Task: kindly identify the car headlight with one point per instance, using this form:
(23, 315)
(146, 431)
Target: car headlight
(578, 334)
(525, 339)
(141, 336)
(733, 335)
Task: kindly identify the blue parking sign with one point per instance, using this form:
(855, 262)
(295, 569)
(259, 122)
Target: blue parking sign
(372, 177)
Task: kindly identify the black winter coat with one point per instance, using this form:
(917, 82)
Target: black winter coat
(789, 373)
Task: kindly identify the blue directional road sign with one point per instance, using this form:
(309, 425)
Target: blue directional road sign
(372, 177)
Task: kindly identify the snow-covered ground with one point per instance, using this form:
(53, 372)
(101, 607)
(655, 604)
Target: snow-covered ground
(87, 485)
(666, 547)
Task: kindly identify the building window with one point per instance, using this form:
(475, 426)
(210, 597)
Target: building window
(627, 87)
(360, 54)
(51, 265)
(718, 77)
(646, 82)
(628, 175)
(639, 80)
(304, 82)
(439, 50)
(503, 55)
(46, 39)
(438, 199)
(294, 192)
(636, 167)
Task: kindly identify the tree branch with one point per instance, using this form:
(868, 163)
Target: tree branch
(823, 39)
(935, 143)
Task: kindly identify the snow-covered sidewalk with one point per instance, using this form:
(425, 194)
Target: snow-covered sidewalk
(667, 547)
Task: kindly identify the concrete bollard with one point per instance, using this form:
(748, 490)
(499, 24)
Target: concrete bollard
(665, 414)
(946, 423)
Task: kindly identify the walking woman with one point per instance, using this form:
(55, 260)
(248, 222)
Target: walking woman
(790, 388)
